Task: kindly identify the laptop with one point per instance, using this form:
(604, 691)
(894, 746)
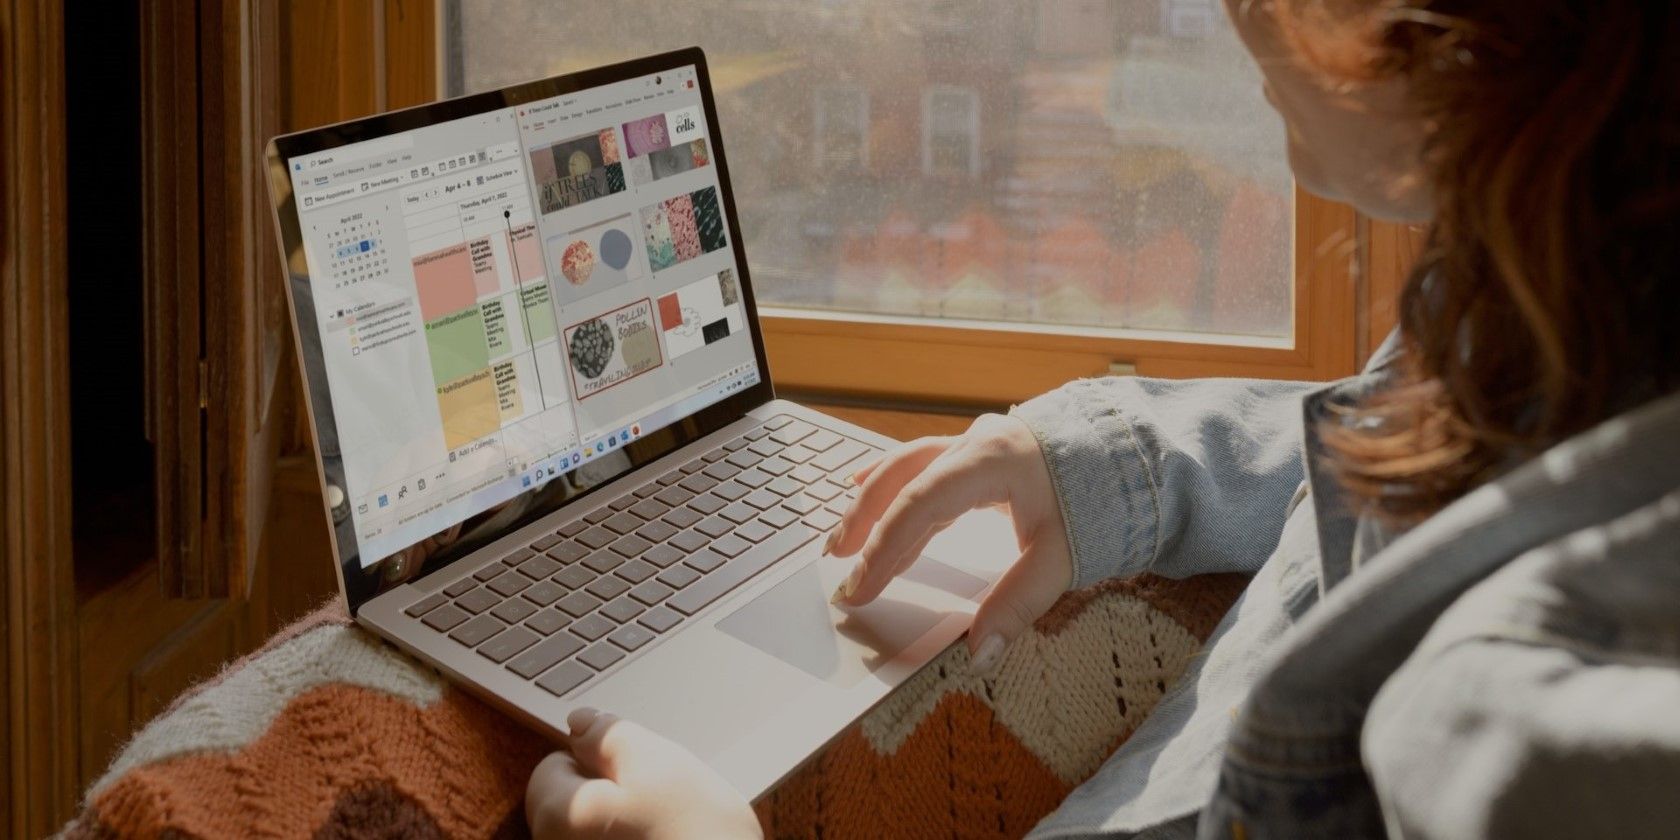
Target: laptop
(553, 461)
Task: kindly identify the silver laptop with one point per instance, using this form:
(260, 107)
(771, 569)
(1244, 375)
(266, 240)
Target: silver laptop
(554, 464)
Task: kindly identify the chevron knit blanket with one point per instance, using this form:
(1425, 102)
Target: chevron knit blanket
(327, 732)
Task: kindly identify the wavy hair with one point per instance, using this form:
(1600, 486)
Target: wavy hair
(1547, 299)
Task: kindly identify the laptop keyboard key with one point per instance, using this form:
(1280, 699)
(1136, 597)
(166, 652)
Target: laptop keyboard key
(670, 478)
(824, 519)
(572, 529)
(765, 448)
(656, 531)
(631, 545)
(659, 619)
(778, 518)
(603, 561)
(736, 444)
(489, 571)
(544, 654)
(682, 517)
(730, 545)
(715, 455)
(745, 458)
(545, 592)
(755, 531)
(651, 509)
(631, 636)
(823, 490)
(592, 626)
(704, 561)
(762, 499)
(652, 592)
(478, 600)
(599, 515)
(477, 630)
(507, 643)
(509, 584)
(722, 470)
(678, 577)
(792, 433)
(597, 537)
(693, 466)
(715, 527)
(662, 555)
(624, 502)
(460, 587)
(806, 474)
(624, 523)
(579, 604)
(690, 541)
(737, 571)
(570, 552)
(738, 513)
(514, 610)
(802, 504)
(521, 555)
(539, 567)
(548, 621)
(607, 588)
(635, 571)
(698, 483)
(821, 440)
(775, 466)
(546, 542)
(721, 495)
(797, 454)
(445, 617)
(839, 456)
(575, 577)
(601, 656)
(754, 478)
(426, 604)
(564, 678)
(623, 610)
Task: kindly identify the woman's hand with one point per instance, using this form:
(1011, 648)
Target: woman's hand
(917, 490)
(619, 780)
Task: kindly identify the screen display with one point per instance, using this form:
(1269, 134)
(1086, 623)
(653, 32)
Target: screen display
(510, 300)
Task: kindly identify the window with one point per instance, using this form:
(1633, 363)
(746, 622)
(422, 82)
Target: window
(840, 129)
(950, 132)
(1094, 177)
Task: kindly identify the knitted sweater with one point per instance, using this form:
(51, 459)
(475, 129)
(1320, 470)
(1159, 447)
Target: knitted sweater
(328, 732)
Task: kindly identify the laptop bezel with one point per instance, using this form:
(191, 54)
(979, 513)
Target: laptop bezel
(359, 584)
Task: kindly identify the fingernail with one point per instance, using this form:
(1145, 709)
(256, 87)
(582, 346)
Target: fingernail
(833, 538)
(987, 656)
(581, 718)
(846, 587)
(855, 477)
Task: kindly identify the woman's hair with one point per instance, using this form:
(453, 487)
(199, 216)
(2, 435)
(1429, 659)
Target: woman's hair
(1548, 297)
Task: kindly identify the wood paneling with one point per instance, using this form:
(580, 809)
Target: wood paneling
(1392, 250)
(39, 701)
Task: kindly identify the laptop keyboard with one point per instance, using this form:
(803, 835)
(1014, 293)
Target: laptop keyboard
(571, 604)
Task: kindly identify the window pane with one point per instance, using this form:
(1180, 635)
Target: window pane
(1083, 163)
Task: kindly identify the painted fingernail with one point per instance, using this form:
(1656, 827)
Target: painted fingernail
(846, 587)
(987, 656)
(581, 719)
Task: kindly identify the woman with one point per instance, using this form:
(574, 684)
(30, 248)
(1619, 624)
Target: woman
(1469, 621)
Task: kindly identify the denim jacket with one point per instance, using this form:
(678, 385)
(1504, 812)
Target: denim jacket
(1510, 667)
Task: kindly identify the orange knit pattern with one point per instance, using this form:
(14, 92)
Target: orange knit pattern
(380, 748)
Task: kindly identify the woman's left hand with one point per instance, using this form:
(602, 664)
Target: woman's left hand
(619, 780)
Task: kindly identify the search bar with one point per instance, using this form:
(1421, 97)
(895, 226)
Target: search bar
(359, 151)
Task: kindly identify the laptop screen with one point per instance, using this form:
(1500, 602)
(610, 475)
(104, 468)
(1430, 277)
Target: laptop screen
(512, 302)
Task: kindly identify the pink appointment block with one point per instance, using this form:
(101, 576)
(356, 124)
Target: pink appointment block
(485, 279)
(444, 279)
(526, 255)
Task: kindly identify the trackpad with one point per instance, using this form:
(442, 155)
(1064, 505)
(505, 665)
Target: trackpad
(795, 623)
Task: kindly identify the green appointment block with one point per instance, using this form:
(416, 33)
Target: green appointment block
(457, 345)
(538, 312)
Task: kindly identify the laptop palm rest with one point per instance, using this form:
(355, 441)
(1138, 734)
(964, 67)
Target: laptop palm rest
(795, 623)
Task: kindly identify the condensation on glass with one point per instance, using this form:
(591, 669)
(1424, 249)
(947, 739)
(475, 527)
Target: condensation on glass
(1079, 163)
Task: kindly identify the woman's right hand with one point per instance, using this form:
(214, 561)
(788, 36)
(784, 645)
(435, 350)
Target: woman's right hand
(920, 488)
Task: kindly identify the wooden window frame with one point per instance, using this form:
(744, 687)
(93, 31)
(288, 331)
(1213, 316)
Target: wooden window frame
(1347, 271)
